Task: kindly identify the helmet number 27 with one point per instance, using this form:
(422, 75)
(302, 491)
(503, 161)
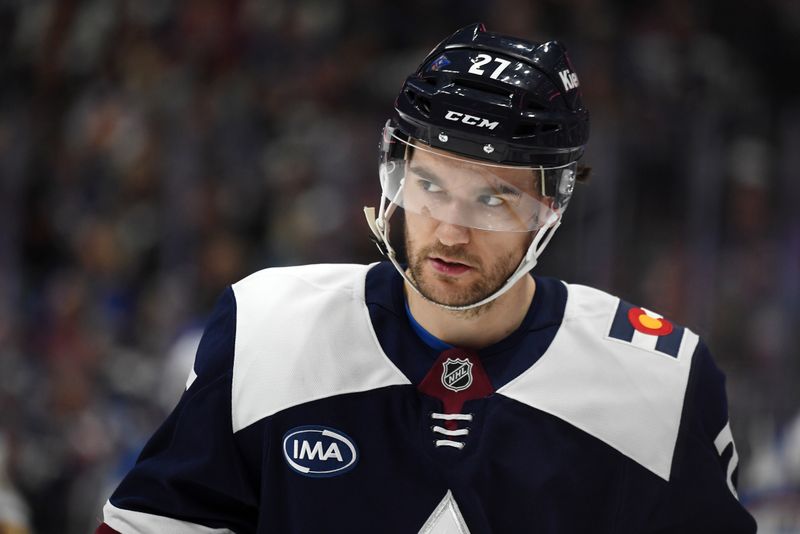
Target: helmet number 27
(482, 59)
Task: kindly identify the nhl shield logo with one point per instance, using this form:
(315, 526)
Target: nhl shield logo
(457, 374)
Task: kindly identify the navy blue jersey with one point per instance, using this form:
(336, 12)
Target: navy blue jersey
(313, 406)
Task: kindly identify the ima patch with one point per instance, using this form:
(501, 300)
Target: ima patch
(646, 330)
(457, 374)
(318, 451)
(440, 63)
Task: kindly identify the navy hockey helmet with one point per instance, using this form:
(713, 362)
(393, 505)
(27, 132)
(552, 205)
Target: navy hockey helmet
(497, 98)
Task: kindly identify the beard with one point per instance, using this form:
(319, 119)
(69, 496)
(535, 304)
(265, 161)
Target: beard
(440, 289)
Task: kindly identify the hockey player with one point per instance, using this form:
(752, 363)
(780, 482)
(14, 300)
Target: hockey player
(454, 392)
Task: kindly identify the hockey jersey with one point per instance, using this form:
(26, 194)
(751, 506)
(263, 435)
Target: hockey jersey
(314, 407)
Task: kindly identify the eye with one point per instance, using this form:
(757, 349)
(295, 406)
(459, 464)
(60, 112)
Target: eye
(491, 200)
(429, 186)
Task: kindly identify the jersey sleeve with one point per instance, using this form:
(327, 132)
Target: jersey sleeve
(190, 476)
(701, 493)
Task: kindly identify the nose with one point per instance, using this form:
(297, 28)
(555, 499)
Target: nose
(450, 234)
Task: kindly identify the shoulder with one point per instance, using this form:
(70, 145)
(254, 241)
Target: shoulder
(651, 340)
(616, 371)
(303, 334)
(343, 278)
(611, 320)
(266, 295)
(278, 305)
(588, 301)
(214, 356)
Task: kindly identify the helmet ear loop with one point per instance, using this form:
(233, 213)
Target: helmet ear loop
(386, 209)
(383, 225)
(543, 234)
(542, 239)
(385, 228)
(535, 249)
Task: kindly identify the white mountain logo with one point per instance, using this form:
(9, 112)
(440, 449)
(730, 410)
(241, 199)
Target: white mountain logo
(446, 519)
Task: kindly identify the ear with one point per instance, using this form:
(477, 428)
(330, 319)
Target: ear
(583, 174)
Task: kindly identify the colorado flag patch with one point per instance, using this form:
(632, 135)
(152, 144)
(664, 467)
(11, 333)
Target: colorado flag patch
(645, 329)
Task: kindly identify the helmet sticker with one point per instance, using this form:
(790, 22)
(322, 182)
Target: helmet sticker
(440, 63)
(569, 79)
(471, 120)
(482, 59)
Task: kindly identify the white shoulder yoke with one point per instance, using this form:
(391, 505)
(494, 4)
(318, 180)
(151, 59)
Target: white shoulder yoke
(302, 334)
(623, 393)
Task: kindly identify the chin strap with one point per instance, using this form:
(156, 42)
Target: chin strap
(380, 228)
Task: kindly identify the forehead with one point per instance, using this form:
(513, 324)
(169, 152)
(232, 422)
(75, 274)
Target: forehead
(447, 165)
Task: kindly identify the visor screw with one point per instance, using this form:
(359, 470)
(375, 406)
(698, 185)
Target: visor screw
(488, 149)
(443, 137)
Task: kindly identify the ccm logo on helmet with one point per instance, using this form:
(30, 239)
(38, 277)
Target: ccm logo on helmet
(472, 120)
(569, 79)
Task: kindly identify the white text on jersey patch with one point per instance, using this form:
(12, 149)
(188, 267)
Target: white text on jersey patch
(318, 451)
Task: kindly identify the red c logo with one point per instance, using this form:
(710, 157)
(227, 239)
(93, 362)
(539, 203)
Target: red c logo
(648, 325)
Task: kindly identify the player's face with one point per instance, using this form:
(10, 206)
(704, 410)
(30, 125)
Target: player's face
(452, 264)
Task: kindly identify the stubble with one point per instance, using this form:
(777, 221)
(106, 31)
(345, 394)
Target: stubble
(447, 291)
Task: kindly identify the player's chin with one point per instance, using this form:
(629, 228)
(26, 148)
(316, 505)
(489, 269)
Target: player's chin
(446, 285)
(457, 302)
(448, 292)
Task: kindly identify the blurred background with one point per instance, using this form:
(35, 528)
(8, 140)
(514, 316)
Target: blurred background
(154, 151)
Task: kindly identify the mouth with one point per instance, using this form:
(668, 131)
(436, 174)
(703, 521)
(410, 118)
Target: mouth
(449, 267)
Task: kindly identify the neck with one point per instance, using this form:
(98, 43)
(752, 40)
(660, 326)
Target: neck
(479, 327)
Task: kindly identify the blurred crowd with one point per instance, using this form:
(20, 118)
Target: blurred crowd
(154, 151)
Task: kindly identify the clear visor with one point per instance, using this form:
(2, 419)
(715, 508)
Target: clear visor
(470, 193)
